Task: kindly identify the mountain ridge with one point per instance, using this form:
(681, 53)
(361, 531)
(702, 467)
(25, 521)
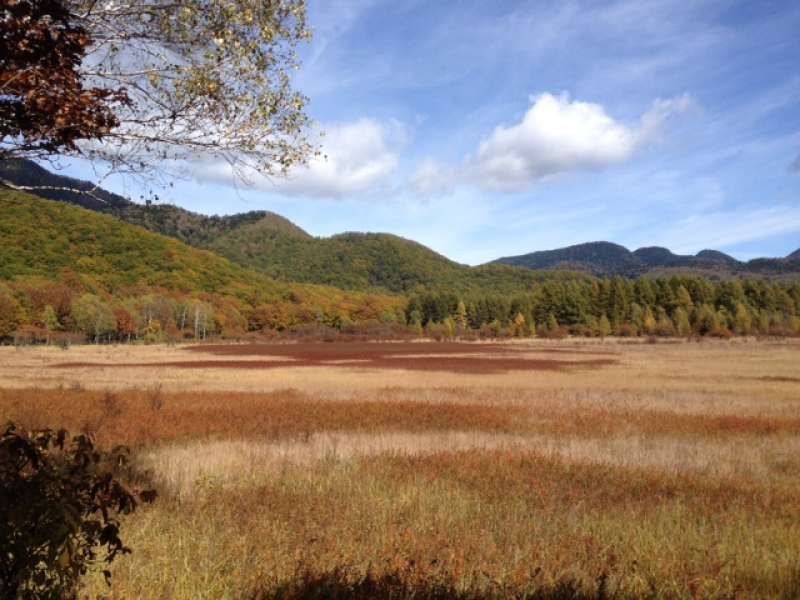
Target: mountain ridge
(187, 226)
(607, 259)
(275, 246)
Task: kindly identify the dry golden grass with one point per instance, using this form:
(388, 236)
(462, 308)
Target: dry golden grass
(672, 474)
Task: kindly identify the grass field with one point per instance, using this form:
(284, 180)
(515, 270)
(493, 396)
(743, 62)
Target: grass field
(569, 469)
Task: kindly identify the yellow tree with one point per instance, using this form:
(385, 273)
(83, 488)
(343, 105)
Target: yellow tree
(10, 314)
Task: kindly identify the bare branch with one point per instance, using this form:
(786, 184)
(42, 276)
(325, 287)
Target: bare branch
(54, 188)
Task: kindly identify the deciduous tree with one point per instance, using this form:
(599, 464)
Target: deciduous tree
(45, 106)
(10, 314)
(159, 83)
(93, 316)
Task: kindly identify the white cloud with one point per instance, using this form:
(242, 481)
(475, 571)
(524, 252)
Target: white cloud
(559, 135)
(356, 157)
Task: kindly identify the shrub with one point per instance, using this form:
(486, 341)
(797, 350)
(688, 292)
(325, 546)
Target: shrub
(58, 501)
(626, 330)
(437, 331)
(720, 332)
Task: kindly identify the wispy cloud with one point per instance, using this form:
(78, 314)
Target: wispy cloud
(722, 229)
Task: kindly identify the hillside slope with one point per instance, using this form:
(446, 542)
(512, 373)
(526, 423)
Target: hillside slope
(167, 219)
(51, 240)
(42, 238)
(87, 269)
(362, 261)
(275, 246)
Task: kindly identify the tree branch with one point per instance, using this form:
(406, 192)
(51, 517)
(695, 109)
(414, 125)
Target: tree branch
(53, 188)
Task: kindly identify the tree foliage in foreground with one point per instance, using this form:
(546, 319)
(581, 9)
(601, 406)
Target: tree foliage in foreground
(59, 503)
(158, 82)
(45, 108)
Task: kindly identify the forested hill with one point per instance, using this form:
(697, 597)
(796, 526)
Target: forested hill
(273, 245)
(362, 261)
(167, 219)
(71, 263)
(605, 259)
(43, 238)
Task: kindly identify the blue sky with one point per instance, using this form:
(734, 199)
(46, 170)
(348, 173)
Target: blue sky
(486, 129)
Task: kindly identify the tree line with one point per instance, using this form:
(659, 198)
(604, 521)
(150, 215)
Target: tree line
(674, 306)
(34, 310)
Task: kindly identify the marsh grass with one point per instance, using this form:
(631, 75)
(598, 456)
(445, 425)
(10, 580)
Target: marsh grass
(477, 521)
(675, 474)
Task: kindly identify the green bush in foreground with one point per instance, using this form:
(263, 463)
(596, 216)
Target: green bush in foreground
(58, 502)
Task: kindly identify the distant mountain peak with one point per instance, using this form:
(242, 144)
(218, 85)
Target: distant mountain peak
(655, 255)
(274, 245)
(275, 223)
(716, 256)
(594, 257)
(607, 259)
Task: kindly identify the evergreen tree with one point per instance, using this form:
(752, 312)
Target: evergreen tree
(604, 326)
(519, 325)
(552, 328)
(590, 326)
(644, 292)
(648, 322)
(50, 321)
(743, 322)
(682, 325)
(683, 299)
(461, 318)
(449, 328)
(777, 323)
(763, 321)
(705, 319)
(619, 300)
(664, 325)
(794, 325)
(637, 317)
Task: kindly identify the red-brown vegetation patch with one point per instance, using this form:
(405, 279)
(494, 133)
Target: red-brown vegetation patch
(590, 422)
(579, 350)
(139, 417)
(779, 379)
(452, 357)
(351, 350)
(546, 480)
